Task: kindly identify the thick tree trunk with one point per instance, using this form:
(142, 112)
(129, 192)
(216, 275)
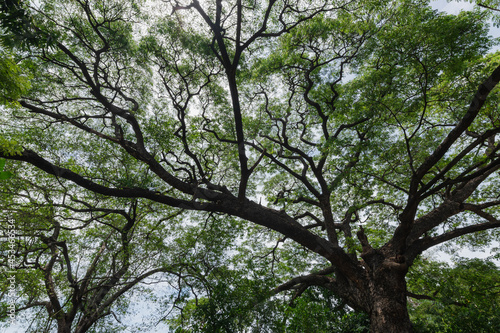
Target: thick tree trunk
(389, 312)
(389, 315)
(63, 326)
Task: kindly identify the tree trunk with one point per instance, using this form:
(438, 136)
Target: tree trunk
(389, 312)
(63, 326)
(389, 315)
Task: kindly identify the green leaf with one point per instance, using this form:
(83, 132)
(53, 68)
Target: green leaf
(5, 175)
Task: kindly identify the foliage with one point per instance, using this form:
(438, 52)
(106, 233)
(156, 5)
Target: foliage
(242, 151)
(315, 311)
(76, 254)
(4, 174)
(12, 83)
(239, 301)
(463, 298)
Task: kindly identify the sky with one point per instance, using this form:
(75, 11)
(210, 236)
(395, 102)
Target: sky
(452, 7)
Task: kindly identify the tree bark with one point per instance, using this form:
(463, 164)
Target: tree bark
(64, 326)
(389, 315)
(389, 312)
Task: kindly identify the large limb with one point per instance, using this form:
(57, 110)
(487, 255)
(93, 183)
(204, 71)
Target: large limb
(406, 218)
(475, 106)
(492, 222)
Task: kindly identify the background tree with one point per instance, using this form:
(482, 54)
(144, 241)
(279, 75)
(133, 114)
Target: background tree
(82, 258)
(462, 298)
(76, 254)
(362, 132)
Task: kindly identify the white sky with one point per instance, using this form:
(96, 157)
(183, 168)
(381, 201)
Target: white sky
(451, 7)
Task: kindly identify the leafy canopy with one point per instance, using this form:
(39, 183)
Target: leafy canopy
(309, 147)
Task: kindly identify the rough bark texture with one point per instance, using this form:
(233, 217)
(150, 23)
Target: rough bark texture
(389, 312)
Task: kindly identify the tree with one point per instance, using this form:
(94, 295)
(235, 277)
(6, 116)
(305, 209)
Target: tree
(236, 304)
(77, 254)
(82, 258)
(363, 132)
(463, 298)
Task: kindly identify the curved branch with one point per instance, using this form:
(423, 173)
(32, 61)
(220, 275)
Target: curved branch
(419, 296)
(39, 162)
(475, 106)
(314, 279)
(428, 242)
